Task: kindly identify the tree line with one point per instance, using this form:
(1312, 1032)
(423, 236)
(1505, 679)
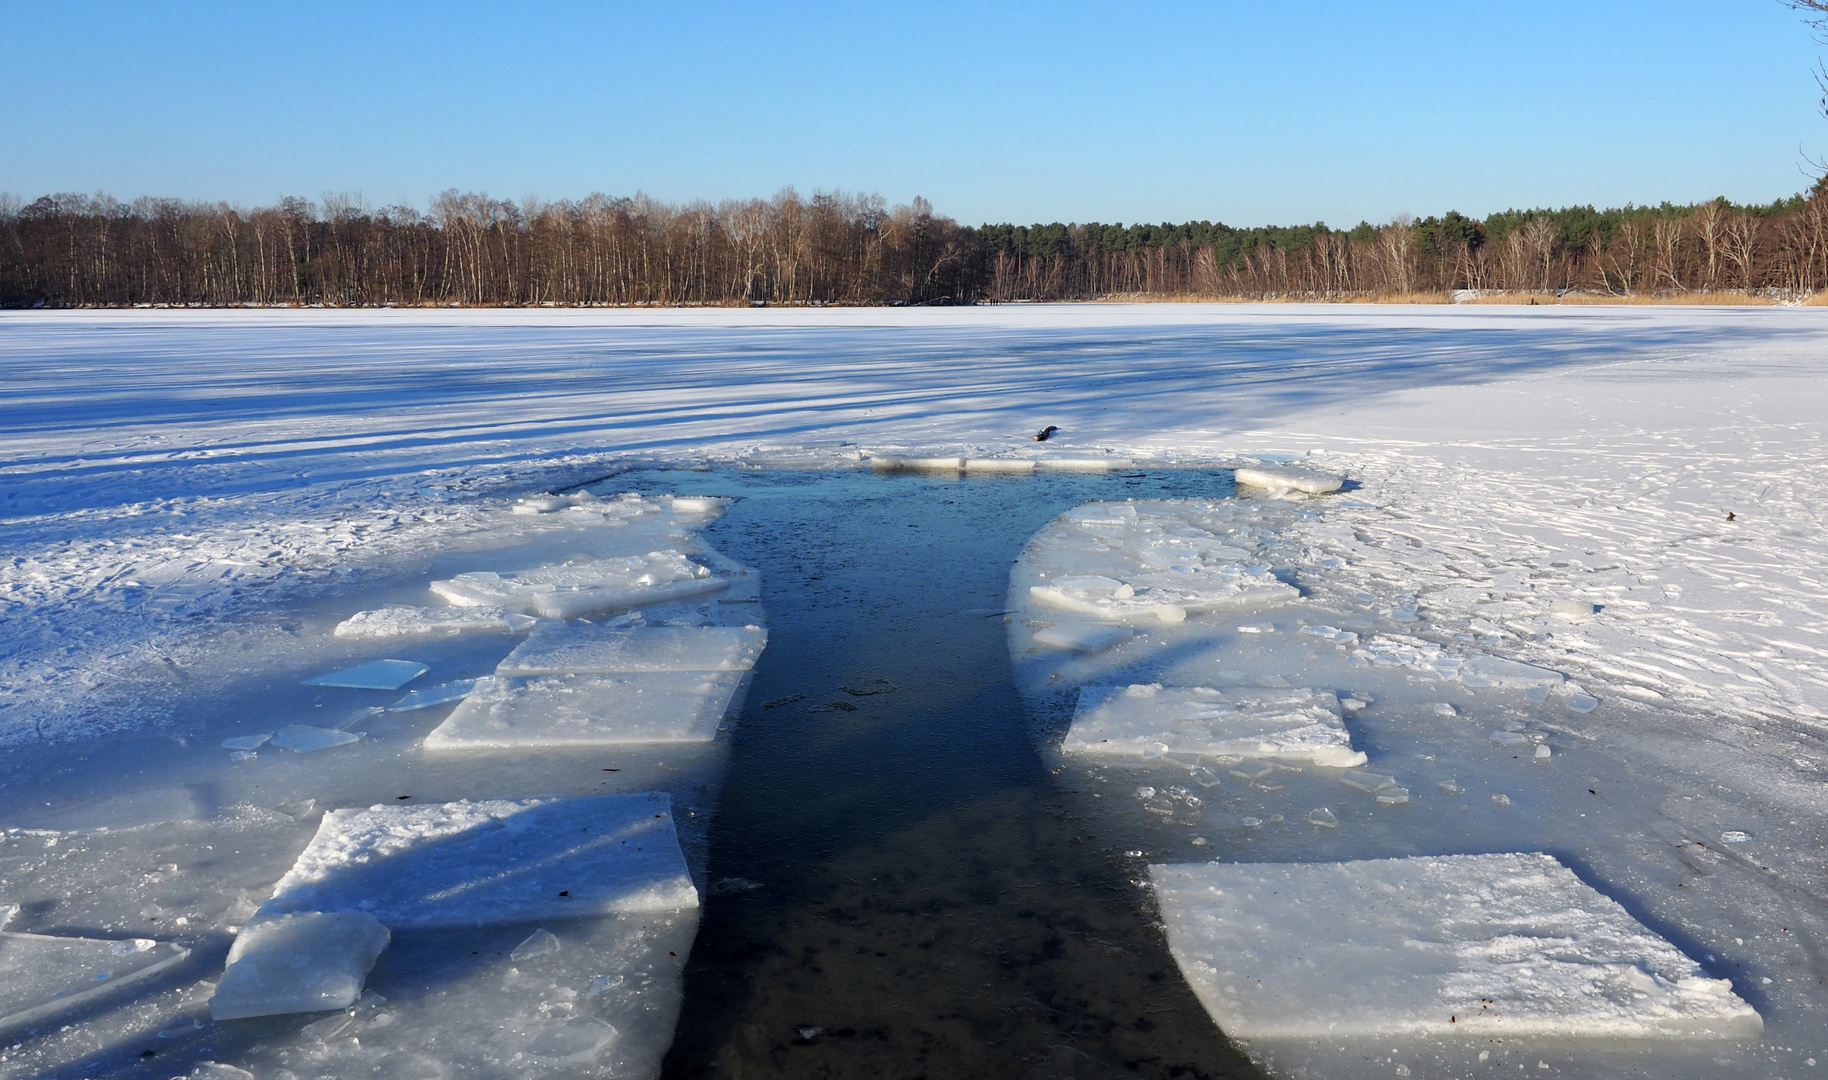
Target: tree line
(838, 248)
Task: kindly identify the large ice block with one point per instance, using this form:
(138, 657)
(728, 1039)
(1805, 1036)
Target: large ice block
(491, 862)
(586, 587)
(1135, 721)
(1170, 596)
(47, 975)
(590, 710)
(1479, 946)
(306, 961)
(588, 649)
(402, 622)
(1288, 478)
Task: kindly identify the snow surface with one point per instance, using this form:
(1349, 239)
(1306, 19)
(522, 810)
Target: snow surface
(179, 489)
(1470, 946)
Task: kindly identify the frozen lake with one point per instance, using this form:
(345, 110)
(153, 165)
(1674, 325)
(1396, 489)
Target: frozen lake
(1627, 500)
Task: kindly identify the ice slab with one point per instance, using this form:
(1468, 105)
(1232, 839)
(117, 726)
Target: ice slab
(47, 975)
(587, 649)
(590, 710)
(442, 694)
(1129, 721)
(1082, 464)
(1474, 946)
(409, 622)
(306, 961)
(1083, 637)
(305, 739)
(1481, 671)
(246, 742)
(1000, 465)
(586, 587)
(492, 862)
(374, 675)
(1290, 479)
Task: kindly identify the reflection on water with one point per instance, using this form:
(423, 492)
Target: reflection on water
(897, 888)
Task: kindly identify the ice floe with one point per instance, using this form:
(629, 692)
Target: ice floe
(1128, 721)
(590, 710)
(585, 587)
(577, 648)
(374, 675)
(298, 962)
(1471, 946)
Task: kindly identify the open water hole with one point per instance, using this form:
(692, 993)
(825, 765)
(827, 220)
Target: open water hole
(897, 885)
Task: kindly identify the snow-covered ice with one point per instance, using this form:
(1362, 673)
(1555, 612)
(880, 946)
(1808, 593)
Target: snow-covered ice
(491, 861)
(586, 587)
(587, 649)
(1282, 478)
(402, 621)
(590, 710)
(1125, 721)
(1082, 637)
(1467, 946)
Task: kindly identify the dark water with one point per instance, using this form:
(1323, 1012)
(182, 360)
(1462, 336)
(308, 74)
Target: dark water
(899, 890)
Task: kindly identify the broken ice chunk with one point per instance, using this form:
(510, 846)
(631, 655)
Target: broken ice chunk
(539, 943)
(1370, 783)
(585, 649)
(1393, 796)
(374, 675)
(1321, 817)
(1583, 702)
(442, 694)
(1289, 478)
(1442, 708)
(590, 710)
(1509, 738)
(1469, 947)
(1543, 753)
(1354, 704)
(492, 862)
(587, 587)
(1205, 777)
(1251, 770)
(1572, 609)
(246, 742)
(1300, 725)
(1501, 800)
(1000, 465)
(48, 975)
(1448, 787)
(578, 1041)
(305, 739)
(402, 622)
(302, 962)
(1082, 637)
(1734, 836)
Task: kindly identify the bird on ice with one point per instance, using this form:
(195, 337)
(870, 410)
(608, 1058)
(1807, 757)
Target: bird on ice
(1045, 433)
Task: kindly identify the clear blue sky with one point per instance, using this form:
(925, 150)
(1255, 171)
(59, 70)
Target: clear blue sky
(1249, 113)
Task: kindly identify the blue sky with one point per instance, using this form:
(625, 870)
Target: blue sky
(1245, 113)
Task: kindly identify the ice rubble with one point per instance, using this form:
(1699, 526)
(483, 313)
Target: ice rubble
(1289, 478)
(1129, 721)
(298, 962)
(491, 861)
(399, 621)
(590, 710)
(587, 586)
(374, 675)
(49, 975)
(1468, 946)
(1159, 560)
(587, 649)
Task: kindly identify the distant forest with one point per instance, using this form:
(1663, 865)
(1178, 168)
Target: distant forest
(837, 248)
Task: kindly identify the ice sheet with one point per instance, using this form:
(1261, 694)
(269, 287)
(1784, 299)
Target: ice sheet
(587, 649)
(1471, 946)
(308, 739)
(400, 621)
(374, 675)
(48, 975)
(590, 710)
(491, 862)
(300, 962)
(442, 694)
(585, 587)
(1131, 721)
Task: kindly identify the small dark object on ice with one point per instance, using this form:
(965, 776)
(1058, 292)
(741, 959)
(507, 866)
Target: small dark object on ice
(1046, 433)
(1729, 515)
